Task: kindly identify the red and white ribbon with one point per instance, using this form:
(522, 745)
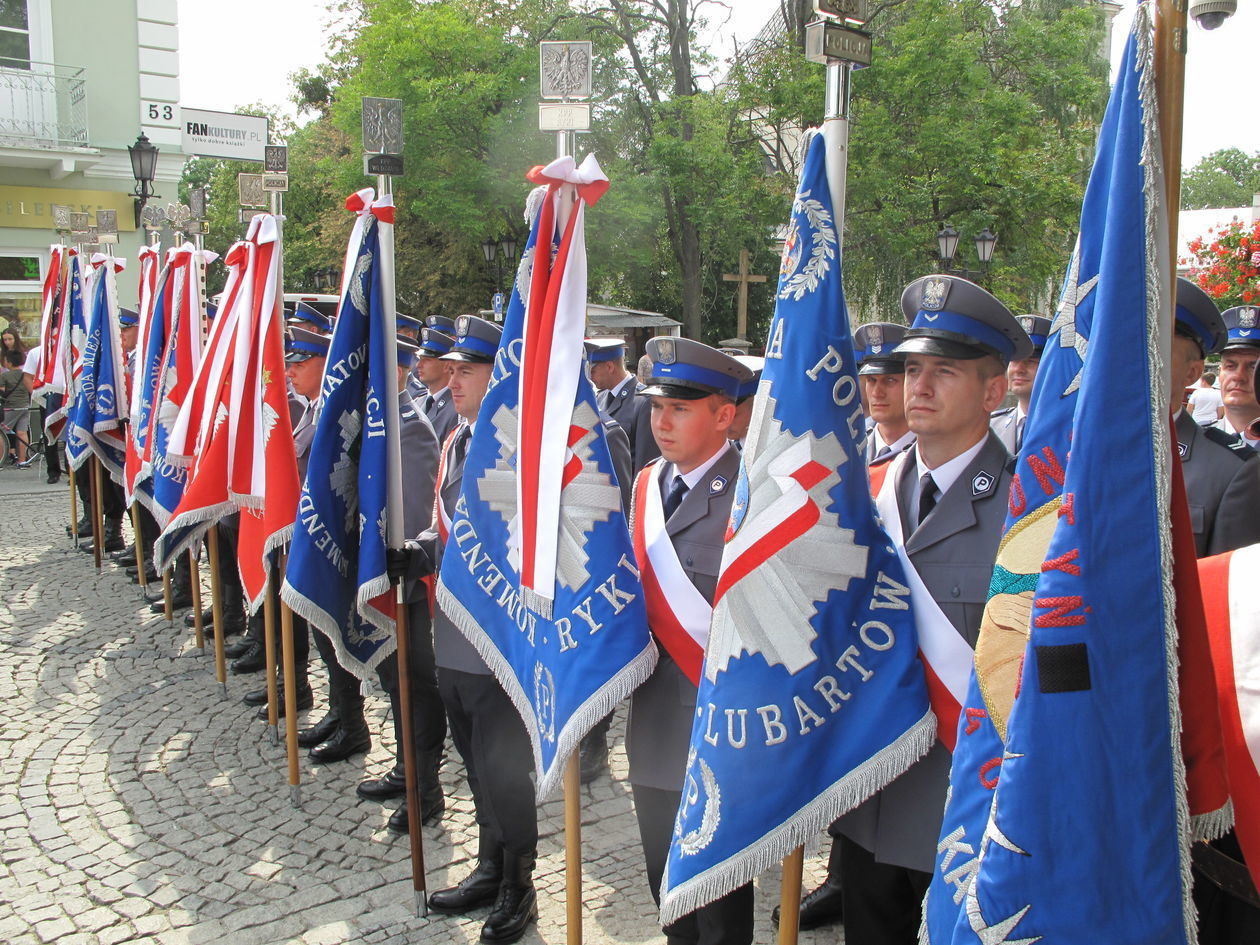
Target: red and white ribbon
(946, 657)
(677, 612)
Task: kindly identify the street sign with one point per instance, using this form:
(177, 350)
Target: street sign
(107, 226)
(390, 165)
(276, 159)
(251, 190)
(564, 69)
(496, 303)
(855, 10)
(568, 116)
(382, 125)
(223, 134)
(827, 41)
(275, 183)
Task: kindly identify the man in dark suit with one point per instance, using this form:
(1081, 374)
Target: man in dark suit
(620, 397)
(485, 726)
(950, 496)
(1008, 423)
(1221, 472)
(419, 448)
(687, 494)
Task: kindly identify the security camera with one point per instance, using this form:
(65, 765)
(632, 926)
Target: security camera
(1210, 14)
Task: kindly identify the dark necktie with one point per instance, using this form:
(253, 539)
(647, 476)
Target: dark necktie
(674, 497)
(605, 400)
(927, 496)
(455, 464)
(430, 406)
(1019, 432)
(885, 453)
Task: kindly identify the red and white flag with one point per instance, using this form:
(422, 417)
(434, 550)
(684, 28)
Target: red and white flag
(149, 265)
(1232, 604)
(551, 362)
(50, 317)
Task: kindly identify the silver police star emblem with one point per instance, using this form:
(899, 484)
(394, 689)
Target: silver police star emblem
(1247, 318)
(982, 483)
(934, 294)
(665, 351)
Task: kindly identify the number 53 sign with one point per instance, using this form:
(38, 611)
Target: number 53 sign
(163, 114)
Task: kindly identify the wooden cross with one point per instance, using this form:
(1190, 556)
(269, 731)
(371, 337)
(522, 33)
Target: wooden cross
(744, 278)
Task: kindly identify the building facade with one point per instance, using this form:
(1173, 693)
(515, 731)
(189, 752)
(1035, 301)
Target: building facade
(80, 80)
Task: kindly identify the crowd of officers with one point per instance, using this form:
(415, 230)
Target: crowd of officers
(934, 393)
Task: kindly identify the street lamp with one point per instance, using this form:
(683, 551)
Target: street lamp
(501, 254)
(144, 155)
(947, 244)
(947, 239)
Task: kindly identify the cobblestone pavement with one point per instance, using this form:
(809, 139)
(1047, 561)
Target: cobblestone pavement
(139, 804)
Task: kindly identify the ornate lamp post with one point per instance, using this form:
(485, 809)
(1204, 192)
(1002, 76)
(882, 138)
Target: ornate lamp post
(947, 239)
(144, 155)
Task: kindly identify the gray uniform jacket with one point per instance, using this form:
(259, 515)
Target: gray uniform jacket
(1005, 423)
(869, 450)
(303, 434)
(441, 412)
(953, 552)
(663, 708)
(623, 465)
(416, 388)
(1222, 487)
(634, 412)
(419, 468)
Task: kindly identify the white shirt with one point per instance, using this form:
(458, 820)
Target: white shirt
(903, 443)
(1204, 404)
(944, 475)
(31, 362)
(697, 474)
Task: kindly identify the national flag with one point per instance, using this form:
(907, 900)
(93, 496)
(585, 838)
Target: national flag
(95, 419)
(336, 576)
(156, 326)
(1233, 620)
(261, 455)
(1087, 832)
(539, 570)
(150, 263)
(62, 374)
(50, 320)
(811, 696)
(185, 319)
(199, 438)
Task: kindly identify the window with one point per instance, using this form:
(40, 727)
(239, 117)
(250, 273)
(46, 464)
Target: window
(21, 287)
(15, 35)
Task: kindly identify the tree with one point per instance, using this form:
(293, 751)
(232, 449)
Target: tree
(1225, 178)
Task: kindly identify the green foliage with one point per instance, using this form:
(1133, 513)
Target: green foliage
(1225, 178)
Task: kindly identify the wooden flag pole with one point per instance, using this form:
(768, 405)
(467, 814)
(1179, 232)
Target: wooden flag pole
(573, 850)
(98, 517)
(1170, 85)
(74, 501)
(410, 769)
(790, 896)
(269, 649)
(139, 546)
(168, 604)
(199, 632)
(216, 605)
(290, 695)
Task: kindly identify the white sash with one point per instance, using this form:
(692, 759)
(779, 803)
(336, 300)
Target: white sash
(678, 595)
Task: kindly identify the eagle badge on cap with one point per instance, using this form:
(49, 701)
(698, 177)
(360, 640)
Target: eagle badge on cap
(461, 326)
(665, 351)
(935, 291)
(1247, 318)
(875, 334)
(1026, 323)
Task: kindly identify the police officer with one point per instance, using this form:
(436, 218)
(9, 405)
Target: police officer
(619, 392)
(436, 339)
(419, 448)
(745, 398)
(693, 389)
(950, 491)
(1222, 478)
(1239, 359)
(883, 377)
(1008, 423)
(485, 726)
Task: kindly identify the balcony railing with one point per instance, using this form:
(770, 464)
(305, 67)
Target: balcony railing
(42, 105)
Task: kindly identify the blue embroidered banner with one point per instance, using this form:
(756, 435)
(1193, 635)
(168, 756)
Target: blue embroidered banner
(812, 696)
(565, 670)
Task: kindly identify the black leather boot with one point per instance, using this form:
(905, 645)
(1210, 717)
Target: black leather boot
(321, 731)
(517, 903)
(113, 536)
(593, 752)
(478, 888)
(824, 905)
(393, 783)
(352, 738)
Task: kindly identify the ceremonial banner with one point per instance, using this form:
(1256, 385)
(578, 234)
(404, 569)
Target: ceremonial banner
(94, 423)
(150, 352)
(149, 265)
(1233, 615)
(262, 459)
(572, 644)
(71, 338)
(199, 439)
(1087, 834)
(336, 577)
(185, 319)
(812, 697)
(50, 321)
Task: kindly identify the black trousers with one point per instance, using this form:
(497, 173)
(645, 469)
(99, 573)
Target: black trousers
(113, 501)
(344, 692)
(490, 737)
(428, 714)
(725, 921)
(883, 904)
(1224, 920)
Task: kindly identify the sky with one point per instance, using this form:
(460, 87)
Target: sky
(1218, 112)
